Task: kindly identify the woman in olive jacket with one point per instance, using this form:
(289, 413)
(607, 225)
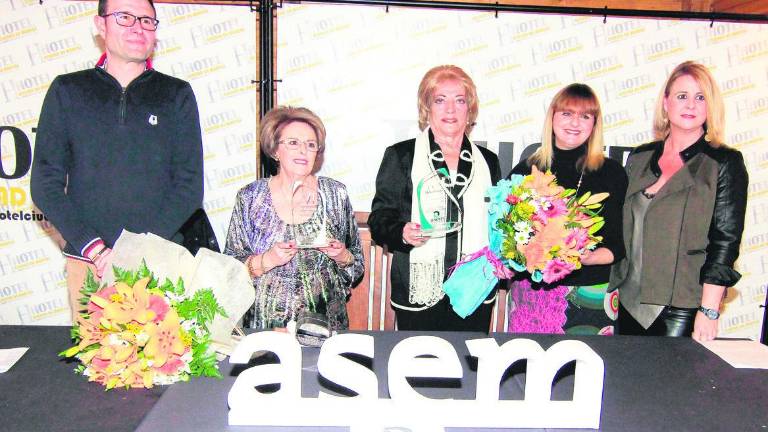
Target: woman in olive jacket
(683, 215)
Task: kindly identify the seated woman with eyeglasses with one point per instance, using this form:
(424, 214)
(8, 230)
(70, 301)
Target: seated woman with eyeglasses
(295, 231)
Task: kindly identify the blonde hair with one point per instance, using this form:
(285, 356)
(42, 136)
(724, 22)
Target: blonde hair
(278, 118)
(432, 79)
(714, 126)
(582, 98)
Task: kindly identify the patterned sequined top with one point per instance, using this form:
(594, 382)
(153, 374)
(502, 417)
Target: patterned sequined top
(311, 279)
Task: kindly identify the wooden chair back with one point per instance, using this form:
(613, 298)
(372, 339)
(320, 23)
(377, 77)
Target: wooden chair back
(368, 306)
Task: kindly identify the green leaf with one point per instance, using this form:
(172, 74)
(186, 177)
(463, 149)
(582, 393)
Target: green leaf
(204, 361)
(595, 227)
(202, 307)
(90, 286)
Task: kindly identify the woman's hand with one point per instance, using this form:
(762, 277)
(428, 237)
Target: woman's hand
(704, 329)
(597, 257)
(279, 254)
(412, 235)
(338, 252)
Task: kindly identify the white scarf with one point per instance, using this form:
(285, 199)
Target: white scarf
(427, 262)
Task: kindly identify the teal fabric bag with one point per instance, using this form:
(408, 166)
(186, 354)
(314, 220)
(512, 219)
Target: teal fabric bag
(475, 276)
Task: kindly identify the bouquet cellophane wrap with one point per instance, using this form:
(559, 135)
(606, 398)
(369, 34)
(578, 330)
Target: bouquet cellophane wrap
(226, 276)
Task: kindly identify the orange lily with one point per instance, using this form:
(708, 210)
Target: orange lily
(164, 339)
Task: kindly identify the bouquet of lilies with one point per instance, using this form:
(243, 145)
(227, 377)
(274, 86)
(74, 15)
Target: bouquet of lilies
(547, 228)
(139, 333)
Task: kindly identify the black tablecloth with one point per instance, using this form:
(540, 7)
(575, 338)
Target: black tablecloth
(651, 384)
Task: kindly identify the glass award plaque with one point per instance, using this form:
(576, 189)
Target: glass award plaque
(439, 211)
(308, 216)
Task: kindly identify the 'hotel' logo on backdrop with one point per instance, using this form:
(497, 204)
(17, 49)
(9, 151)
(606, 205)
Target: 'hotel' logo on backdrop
(541, 83)
(197, 68)
(617, 119)
(515, 32)
(650, 52)
(52, 50)
(513, 119)
(67, 13)
(19, 119)
(53, 280)
(633, 139)
(302, 62)
(237, 143)
(326, 27)
(220, 177)
(736, 85)
(589, 69)
(7, 64)
(180, 13)
(745, 138)
(79, 64)
(40, 311)
(745, 53)
(501, 64)
(555, 49)
(747, 107)
(470, 45)
(165, 46)
(219, 121)
(706, 36)
(614, 32)
(245, 54)
(623, 87)
(209, 33)
(16, 29)
(14, 291)
(426, 27)
(228, 87)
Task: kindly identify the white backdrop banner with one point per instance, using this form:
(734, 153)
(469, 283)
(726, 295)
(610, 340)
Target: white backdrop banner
(359, 69)
(212, 47)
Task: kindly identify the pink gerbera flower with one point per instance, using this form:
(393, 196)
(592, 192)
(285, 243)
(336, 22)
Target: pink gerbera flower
(556, 269)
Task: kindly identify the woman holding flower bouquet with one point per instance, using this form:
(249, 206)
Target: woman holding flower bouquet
(572, 149)
(295, 231)
(435, 183)
(684, 214)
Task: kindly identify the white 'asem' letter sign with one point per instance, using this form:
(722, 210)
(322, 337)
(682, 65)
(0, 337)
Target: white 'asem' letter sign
(422, 357)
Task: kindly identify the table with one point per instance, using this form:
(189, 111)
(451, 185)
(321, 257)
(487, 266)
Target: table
(651, 384)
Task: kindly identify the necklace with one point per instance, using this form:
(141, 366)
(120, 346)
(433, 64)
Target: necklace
(578, 185)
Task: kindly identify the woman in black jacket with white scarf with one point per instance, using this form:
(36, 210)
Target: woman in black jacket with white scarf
(448, 107)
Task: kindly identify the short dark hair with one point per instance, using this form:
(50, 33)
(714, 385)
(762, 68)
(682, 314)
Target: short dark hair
(103, 7)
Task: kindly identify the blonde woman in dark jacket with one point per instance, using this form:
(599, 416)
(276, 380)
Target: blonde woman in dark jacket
(683, 215)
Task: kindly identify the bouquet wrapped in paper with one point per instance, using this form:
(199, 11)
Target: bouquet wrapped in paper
(161, 316)
(534, 225)
(548, 228)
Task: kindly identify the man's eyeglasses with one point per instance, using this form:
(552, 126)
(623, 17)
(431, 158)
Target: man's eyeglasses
(128, 20)
(293, 144)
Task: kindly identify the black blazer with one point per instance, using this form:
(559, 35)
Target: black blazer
(391, 210)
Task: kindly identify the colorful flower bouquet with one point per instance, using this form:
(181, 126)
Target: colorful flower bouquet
(547, 229)
(534, 225)
(139, 333)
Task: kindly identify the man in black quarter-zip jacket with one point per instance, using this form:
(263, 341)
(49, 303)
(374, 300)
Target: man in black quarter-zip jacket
(117, 147)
